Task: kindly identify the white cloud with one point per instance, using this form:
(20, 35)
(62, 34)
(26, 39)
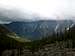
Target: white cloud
(4, 22)
(45, 8)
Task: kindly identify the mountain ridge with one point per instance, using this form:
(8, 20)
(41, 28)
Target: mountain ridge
(38, 29)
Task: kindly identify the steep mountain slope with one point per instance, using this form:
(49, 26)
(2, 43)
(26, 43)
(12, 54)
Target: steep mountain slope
(60, 45)
(9, 40)
(38, 29)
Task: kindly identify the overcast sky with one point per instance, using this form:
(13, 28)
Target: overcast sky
(53, 9)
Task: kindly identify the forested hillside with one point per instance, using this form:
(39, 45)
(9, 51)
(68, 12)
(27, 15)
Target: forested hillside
(59, 44)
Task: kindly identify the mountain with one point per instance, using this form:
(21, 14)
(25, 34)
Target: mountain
(50, 46)
(5, 41)
(10, 40)
(37, 29)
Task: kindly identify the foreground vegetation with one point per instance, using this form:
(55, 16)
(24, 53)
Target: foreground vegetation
(6, 42)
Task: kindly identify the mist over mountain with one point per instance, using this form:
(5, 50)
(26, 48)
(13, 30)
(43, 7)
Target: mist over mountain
(31, 24)
(15, 14)
(38, 29)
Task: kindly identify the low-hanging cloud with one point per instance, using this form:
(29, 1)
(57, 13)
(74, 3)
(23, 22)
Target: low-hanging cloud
(9, 15)
(16, 10)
